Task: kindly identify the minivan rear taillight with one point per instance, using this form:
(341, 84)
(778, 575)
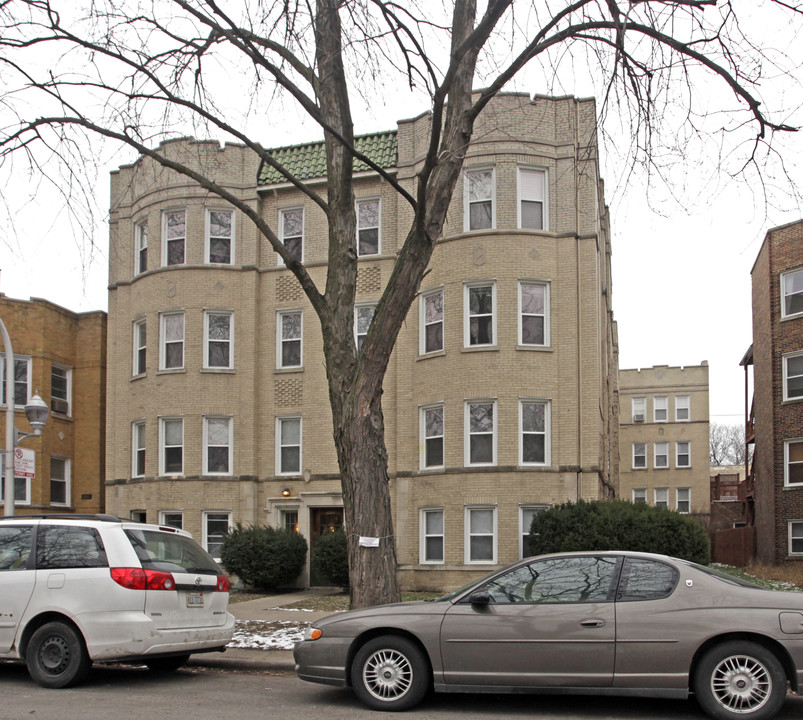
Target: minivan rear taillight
(140, 579)
(223, 584)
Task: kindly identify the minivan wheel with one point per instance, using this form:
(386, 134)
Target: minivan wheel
(390, 673)
(740, 679)
(167, 664)
(56, 656)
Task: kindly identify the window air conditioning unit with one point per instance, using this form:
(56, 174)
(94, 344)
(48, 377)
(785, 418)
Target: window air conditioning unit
(638, 418)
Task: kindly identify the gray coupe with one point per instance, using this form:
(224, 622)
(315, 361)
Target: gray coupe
(616, 623)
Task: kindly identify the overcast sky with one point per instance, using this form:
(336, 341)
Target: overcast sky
(682, 253)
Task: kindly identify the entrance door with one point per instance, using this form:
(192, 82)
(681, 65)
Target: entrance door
(322, 522)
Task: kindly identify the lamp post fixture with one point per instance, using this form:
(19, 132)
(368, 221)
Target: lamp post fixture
(37, 413)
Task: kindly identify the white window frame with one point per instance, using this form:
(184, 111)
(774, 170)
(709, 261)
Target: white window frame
(25, 482)
(786, 376)
(521, 314)
(18, 359)
(638, 409)
(140, 246)
(784, 292)
(467, 173)
(424, 438)
(68, 376)
(229, 445)
(547, 432)
(208, 340)
(678, 453)
(140, 327)
(378, 226)
(66, 480)
(795, 533)
(660, 404)
(639, 495)
(467, 315)
(282, 236)
(682, 402)
(544, 199)
(636, 455)
(163, 342)
(526, 511)
(208, 235)
(661, 497)
(423, 513)
(357, 334)
(468, 434)
(786, 462)
(280, 445)
(163, 520)
(469, 534)
(163, 446)
(683, 495)
(424, 325)
(206, 515)
(136, 449)
(660, 450)
(281, 340)
(165, 253)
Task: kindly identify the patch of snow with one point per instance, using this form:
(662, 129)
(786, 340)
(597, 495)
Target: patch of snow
(263, 635)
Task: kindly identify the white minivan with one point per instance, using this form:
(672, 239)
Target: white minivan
(75, 589)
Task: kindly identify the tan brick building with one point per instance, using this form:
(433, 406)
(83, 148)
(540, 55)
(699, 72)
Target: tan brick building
(62, 356)
(499, 399)
(664, 437)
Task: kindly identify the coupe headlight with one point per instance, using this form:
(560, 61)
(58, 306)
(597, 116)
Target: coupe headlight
(312, 633)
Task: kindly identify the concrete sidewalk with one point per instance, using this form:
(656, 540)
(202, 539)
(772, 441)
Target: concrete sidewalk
(270, 608)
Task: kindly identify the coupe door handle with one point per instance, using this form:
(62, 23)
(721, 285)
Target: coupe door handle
(592, 623)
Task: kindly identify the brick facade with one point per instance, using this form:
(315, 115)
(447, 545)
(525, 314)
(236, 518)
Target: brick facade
(571, 377)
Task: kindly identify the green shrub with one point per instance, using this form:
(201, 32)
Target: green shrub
(331, 557)
(618, 525)
(264, 558)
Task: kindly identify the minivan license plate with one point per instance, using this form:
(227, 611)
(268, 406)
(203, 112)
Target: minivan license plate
(195, 600)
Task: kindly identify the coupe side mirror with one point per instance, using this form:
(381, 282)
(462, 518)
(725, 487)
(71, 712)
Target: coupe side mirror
(480, 597)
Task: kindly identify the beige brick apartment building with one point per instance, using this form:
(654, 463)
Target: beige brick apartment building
(61, 355)
(664, 437)
(500, 398)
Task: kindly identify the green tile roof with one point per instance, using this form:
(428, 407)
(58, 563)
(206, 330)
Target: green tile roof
(309, 160)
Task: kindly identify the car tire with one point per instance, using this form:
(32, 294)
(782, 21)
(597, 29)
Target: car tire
(56, 656)
(390, 673)
(740, 679)
(167, 664)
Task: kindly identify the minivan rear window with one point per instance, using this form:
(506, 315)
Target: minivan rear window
(170, 552)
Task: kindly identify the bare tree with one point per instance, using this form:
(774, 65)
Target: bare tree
(138, 71)
(727, 444)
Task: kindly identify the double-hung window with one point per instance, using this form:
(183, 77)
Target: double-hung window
(432, 437)
(174, 237)
(431, 322)
(140, 348)
(171, 446)
(532, 199)
(288, 446)
(218, 440)
(639, 455)
(432, 536)
(216, 525)
(218, 340)
(661, 456)
(661, 496)
(796, 537)
(793, 376)
(138, 449)
(291, 225)
(289, 331)
(172, 341)
(526, 515)
(220, 237)
(792, 293)
(639, 408)
(363, 316)
(141, 247)
(534, 313)
(683, 454)
(480, 432)
(22, 380)
(59, 480)
(682, 408)
(22, 488)
(478, 201)
(60, 389)
(534, 438)
(659, 409)
(172, 518)
(639, 495)
(793, 462)
(683, 497)
(479, 321)
(480, 540)
(368, 227)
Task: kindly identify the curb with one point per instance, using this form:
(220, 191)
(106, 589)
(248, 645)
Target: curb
(246, 659)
